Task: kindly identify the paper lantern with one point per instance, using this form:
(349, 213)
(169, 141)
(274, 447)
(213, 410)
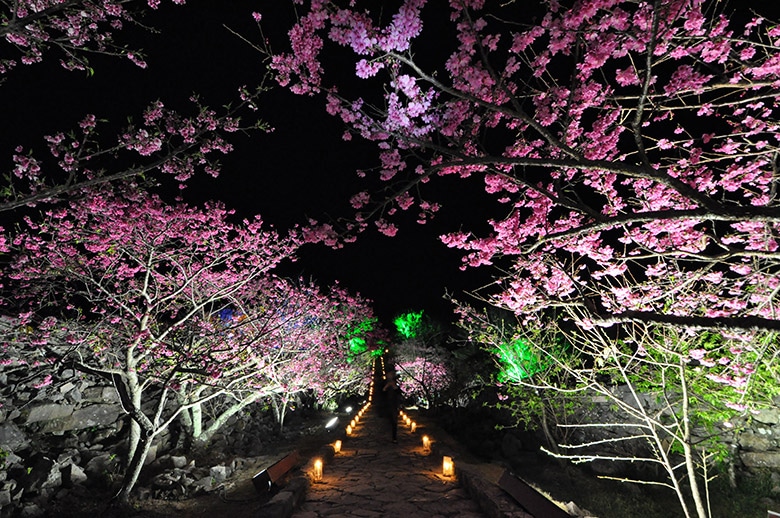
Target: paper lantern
(413, 426)
(337, 446)
(447, 467)
(349, 430)
(426, 443)
(318, 470)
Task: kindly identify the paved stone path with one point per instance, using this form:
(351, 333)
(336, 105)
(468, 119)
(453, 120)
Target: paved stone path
(373, 477)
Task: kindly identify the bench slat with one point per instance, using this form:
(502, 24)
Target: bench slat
(280, 468)
(528, 497)
(264, 480)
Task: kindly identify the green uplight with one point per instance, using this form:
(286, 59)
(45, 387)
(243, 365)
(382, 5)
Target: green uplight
(518, 361)
(409, 325)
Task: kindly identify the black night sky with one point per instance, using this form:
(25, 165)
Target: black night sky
(302, 169)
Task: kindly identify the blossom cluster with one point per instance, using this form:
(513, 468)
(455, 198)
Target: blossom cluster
(632, 145)
(34, 27)
(174, 143)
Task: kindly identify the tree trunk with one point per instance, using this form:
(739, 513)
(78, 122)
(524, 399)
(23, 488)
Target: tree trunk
(186, 427)
(133, 440)
(205, 436)
(687, 450)
(280, 409)
(134, 469)
(197, 421)
(548, 435)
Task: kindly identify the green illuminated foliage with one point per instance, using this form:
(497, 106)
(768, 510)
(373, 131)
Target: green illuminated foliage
(357, 345)
(409, 325)
(518, 360)
(356, 336)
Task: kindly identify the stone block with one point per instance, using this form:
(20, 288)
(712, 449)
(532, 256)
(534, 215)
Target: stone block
(97, 415)
(67, 387)
(756, 459)
(74, 395)
(102, 464)
(219, 473)
(205, 484)
(768, 416)
(110, 395)
(49, 412)
(12, 438)
(755, 442)
(151, 455)
(92, 394)
(100, 415)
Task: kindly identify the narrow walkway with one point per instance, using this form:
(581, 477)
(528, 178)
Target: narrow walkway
(373, 477)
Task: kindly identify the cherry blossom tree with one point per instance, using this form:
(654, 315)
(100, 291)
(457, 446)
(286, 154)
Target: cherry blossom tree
(676, 398)
(124, 287)
(305, 353)
(421, 359)
(164, 142)
(161, 141)
(632, 144)
(275, 343)
(75, 28)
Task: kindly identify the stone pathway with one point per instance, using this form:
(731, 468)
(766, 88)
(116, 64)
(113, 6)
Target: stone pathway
(373, 477)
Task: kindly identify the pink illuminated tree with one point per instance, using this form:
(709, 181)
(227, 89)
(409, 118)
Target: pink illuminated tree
(298, 349)
(632, 145)
(76, 28)
(161, 141)
(126, 288)
(424, 375)
(164, 142)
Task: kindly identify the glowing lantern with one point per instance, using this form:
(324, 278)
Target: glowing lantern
(318, 470)
(413, 426)
(349, 430)
(337, 446)
(352, 423)
(426, 443)
(447, 467)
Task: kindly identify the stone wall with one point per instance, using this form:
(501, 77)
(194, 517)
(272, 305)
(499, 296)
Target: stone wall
(55, 438)
(754, 440)
(71, 437)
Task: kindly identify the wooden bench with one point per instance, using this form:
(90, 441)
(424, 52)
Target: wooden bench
(266, 479)
(528, 497)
